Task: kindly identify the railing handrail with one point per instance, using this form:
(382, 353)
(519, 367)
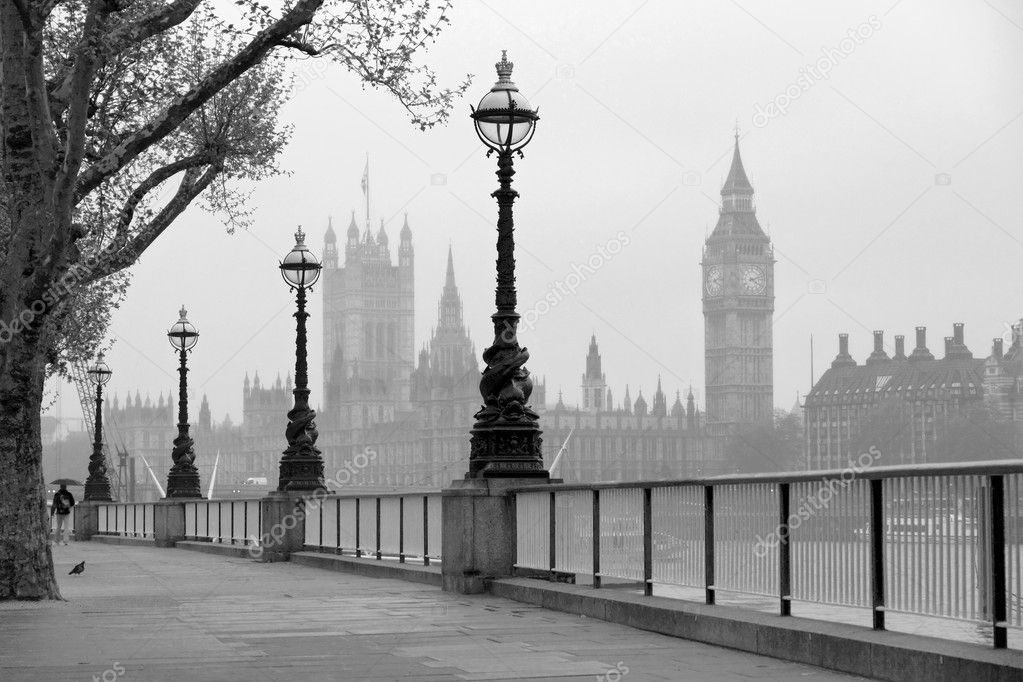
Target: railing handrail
(987, 468)
(353, 495)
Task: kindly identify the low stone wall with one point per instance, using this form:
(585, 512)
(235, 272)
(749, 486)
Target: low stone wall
(123, 540)
(430, 575)
(861, 651)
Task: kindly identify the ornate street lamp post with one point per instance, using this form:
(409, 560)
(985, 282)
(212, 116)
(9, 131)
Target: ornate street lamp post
(97, 486)
(183, 479)
(301, 464)
(506, 436)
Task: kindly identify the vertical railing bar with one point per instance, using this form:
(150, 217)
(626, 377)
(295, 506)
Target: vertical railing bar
(958, 548)
(997, 563)
(232, 522)
(942, 543)
(358, 527)
(899, 540)
(784, 551)
(245, 522)
(877, 535)
(337, 526)
(913, 584)
(401, 529)
(977, 546)
(923, 574)
(1017, 537)
(596, 538)
(426, 530)
(708, 543)
(931, 548)
(648, 543)
(379, 554)
(552, 514)
(319, 519)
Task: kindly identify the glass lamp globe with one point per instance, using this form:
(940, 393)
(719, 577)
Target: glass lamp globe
(182, 335)
(300, 268)
(504, 119)
(99, 373)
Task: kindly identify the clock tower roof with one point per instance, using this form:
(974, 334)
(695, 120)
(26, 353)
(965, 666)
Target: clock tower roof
(737, 181)
(737, 216)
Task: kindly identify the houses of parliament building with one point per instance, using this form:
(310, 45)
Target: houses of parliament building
(405, 414)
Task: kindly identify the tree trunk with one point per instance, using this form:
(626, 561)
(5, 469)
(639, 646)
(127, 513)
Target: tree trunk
(26, 562)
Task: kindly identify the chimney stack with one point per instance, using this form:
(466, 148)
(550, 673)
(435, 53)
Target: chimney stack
(900, 347)
(878, 355)
(843, 359)
(959, 351)
(996, 349)
(921, 352)
(948, 345)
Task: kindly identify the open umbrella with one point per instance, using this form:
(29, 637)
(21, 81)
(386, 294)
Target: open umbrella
(66, 481)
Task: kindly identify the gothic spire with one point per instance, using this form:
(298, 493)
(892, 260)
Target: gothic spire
(450, 307)
(737, 182)
(353, 229)
(406, 233)
(593, 362)
(449, 278)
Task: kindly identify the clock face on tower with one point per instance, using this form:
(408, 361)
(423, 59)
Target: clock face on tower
(754, 279)
(715, 280)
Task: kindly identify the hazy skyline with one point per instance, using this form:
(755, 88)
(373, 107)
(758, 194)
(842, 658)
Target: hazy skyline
(886, 187)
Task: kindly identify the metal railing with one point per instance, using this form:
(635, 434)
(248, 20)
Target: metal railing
(235, 522)
(939, 541)
(128, 519)
(387, 525)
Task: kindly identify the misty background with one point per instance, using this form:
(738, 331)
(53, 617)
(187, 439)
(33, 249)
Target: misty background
(889, 190)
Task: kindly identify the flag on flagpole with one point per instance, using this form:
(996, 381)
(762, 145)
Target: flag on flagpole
(365, 179)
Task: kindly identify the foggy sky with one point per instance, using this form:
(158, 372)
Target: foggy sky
(638, 102)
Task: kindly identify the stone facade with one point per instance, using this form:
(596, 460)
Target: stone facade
(905, 404)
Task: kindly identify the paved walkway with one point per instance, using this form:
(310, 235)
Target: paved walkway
(140, 613)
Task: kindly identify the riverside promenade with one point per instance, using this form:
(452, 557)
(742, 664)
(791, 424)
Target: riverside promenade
(142, 613)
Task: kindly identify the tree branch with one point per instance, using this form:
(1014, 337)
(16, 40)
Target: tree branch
(301, 47)
(82, 76)
(157, 21)
(142, 139)
(192, 185)
(155, 179)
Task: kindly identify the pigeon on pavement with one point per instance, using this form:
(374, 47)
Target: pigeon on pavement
(80, 568)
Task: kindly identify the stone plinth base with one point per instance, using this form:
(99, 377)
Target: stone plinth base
(283, 526)
(168, 522)
(86, 520)
(478, 542)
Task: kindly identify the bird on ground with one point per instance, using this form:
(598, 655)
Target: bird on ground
(80, 568)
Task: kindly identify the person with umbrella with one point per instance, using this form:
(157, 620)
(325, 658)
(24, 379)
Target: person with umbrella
(63, 500)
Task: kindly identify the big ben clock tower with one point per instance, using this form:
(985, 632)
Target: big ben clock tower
(738, 304)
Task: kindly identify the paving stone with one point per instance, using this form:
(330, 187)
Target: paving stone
(166, 614)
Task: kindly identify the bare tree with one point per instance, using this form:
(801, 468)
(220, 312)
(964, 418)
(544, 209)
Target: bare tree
(108, 107)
